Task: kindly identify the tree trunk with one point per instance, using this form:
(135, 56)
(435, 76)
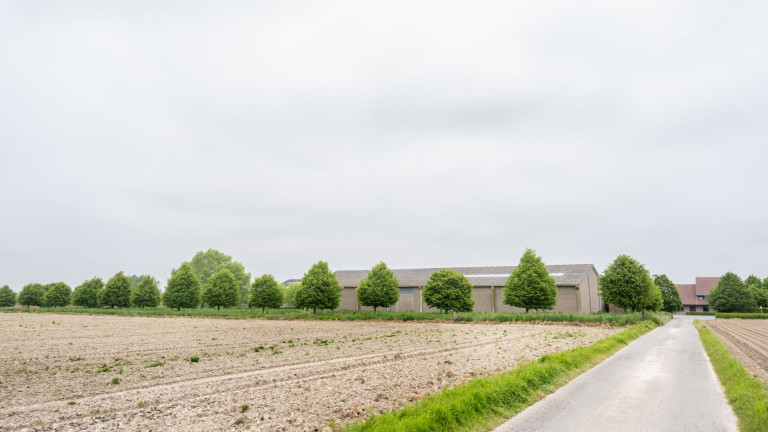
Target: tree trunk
(526, 310)
(643, 312)
(218, 308)
(374, 309)
(263, 308)
(314, 311)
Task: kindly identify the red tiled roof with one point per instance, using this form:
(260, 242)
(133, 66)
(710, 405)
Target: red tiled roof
(687, 293)
(702, 287)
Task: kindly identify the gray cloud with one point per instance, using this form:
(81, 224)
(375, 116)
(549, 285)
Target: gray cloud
(133, 134)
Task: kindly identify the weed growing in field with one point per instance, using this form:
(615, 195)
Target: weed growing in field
(141, 405)
(155, 364)
(322, 342)
(258, 348)
(71, 403)
(78, 358)
(194, 359)
(244, 408)
(116, 381)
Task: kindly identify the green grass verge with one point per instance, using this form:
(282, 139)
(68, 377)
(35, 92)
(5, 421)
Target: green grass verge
(740, 315)
(614, 319)
(484, 403)
(746, 394)
(701, 313)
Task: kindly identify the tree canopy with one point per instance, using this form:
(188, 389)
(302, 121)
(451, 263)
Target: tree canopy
(31, 295)
(757, 289)
(87, 294)
(205, 264)
(730, 295)
(448, 290)
(117, 292)
(670, 298)
(627, 284)
(266, 293)
(221, 290)
(57, 294)
(319, 289)
(530, 286)
(146, 293)
(7, 297)
(379, 289)
(290, 294)
(183, 289)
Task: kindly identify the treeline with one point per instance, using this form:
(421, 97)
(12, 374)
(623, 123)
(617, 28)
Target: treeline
(732, 294)
(212, 279)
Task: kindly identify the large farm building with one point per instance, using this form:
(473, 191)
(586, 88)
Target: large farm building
(576, 288)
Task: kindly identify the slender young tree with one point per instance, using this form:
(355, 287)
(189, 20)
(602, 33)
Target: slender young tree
(87, 294)
(319, 289)
(183, 289)
(146, 293)
(730, 295)
(530, 286)
(266, 293)
(31, 295)
(627, 284)
(117, 292)
(379, 289)
(449, 290)
(670, 298)
(221, 290)
(7, 297)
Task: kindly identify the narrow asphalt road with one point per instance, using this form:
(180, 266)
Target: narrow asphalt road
(661, 382)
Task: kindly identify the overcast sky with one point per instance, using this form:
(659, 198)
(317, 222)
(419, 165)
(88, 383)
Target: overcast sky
(423, 133)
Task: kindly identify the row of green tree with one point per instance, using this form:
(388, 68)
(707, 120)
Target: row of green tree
(735, 295)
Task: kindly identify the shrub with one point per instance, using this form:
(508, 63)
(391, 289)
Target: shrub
(530, 286)
(57, 295)
(265, 293)
(117, 292)
(183, 290)
(449, 290)
(7, 297)
(379, 289)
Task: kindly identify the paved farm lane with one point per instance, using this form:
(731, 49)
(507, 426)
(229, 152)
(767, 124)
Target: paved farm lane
(661, 382)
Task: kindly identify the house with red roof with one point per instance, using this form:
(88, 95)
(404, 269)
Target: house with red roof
(694, 296)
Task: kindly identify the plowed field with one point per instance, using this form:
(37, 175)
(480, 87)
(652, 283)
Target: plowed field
(75, 372)
(747, 340)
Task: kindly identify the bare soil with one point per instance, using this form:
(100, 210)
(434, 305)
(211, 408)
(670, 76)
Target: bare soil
(747, 340)
(75, 372)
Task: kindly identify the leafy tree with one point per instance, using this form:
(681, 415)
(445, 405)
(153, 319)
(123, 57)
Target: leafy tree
(759, 292)
(57, 294)
(530, 286)
(266, 293)
(87, 294)
(449, 290)
(290, 294)
(319, 289)
(32, 295)
(146, 293)
(117, 292)
(654, 300)
(627, 284)
(379, 289)
(670, 298)
(206, 264)
(7, 297)
(183, 289)
(221, 290)
(730, 295)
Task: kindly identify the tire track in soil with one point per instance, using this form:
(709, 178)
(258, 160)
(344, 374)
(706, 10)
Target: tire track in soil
(202, 388)
(750, 346)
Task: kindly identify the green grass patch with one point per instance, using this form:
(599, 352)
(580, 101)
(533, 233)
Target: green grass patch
(484, 403)
(614, 319)
(701, 313)
(740, 315)
(746, 394)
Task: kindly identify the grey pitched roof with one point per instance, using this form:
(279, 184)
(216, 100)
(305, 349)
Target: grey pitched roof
(565, 275)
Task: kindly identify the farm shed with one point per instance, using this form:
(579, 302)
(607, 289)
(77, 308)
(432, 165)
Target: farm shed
(576, 288)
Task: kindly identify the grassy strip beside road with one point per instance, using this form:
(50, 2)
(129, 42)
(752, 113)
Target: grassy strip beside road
(739, 315)
(484, 403)
(746, 394)
(614, 319)
(701, 313)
